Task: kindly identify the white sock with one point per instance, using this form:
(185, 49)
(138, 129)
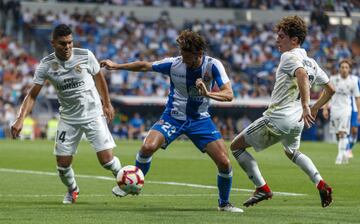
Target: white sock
(67, 176)
(341, 148)
(249, 165)
(114, 165)
(307, 166)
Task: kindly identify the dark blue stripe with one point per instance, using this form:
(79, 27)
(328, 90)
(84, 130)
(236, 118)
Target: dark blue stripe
(216, 74)
(192, 105)
(170, 104)
(162, 68)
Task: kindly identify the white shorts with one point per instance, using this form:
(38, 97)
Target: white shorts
(262, 133)
(69, 135)
(339, 123)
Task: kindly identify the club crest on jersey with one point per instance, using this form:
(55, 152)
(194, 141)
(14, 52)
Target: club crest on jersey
(55, 66)
(78, 69)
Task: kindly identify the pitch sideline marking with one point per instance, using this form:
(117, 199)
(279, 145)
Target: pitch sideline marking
(148, 181)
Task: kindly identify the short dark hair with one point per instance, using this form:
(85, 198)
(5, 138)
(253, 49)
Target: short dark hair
(191, 41)
(293, 26)
(347, 61)
(61, 31)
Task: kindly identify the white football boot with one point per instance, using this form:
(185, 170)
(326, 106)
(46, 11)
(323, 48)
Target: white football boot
(118, 192)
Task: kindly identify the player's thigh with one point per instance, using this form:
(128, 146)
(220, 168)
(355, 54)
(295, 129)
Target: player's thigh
(152, 142)
(202, 132)
(218, 153)
(291, 143)
(169, 127)
(98, 134)
(67, 139)
(261, 134)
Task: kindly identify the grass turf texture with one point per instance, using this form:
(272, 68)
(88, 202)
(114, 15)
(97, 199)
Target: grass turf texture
(36, 198)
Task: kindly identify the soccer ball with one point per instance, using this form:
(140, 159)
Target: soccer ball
(130, 179)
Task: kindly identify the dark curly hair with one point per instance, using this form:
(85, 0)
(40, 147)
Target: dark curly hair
(293, 26)
(191, 41)
(61, 31)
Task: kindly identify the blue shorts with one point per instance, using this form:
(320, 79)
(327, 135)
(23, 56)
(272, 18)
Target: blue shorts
(354, 122)
(201, 132)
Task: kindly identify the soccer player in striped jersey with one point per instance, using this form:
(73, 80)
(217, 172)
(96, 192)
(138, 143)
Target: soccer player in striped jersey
(354, 126)
(80, 86)
(288, 112)
(346, 87)
(192, 76)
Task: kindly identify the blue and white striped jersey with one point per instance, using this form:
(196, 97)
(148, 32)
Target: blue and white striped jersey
(184, 101)
(353, 102)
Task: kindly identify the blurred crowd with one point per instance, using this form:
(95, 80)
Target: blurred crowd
(248, 51)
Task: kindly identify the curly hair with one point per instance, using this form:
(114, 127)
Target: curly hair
(191, 41)
(293, 26)
(347, 61)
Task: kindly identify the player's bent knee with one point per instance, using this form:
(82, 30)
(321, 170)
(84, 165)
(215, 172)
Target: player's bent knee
(223, 163)
(148, 149)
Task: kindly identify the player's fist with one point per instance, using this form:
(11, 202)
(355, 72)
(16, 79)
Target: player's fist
(200, 85)
(16, 128)
(108, 64)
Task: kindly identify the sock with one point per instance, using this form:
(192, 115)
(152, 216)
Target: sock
(341, 148)
(224, 181)
(249, 165)
(114, 165)
(67, 176)
(143, 163)
(352, 141)
(307, 166)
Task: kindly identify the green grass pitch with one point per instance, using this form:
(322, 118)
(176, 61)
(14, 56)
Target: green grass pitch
(31, 192)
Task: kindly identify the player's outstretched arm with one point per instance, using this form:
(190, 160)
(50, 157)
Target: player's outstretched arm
(25, 109)
(225, 93)
(325, 96)
(102, 88)
(137, 66)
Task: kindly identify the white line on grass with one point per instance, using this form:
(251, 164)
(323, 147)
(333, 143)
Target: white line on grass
(148, 181)
(105, 195)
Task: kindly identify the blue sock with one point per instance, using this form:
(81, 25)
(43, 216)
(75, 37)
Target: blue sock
(224, 181)
(143, 163)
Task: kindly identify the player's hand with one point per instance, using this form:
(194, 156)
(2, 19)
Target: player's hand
(325, 113)
(307, 117)
(200, 85)
(108, 64)
(109, 112)
(16, 128)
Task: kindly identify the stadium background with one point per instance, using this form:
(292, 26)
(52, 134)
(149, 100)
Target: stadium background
(238, 32)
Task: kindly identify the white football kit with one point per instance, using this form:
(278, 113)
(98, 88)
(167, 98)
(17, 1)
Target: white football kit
(281, 121)
(341, 105)
(80, 104)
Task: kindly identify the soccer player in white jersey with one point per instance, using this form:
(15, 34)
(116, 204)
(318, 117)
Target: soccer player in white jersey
(192, 76)
(346, 86)
(80, 86)
(288, 112)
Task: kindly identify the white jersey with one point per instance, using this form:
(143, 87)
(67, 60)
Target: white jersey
(184, 101)
(345, 90)
(73, 80)
(285, 109)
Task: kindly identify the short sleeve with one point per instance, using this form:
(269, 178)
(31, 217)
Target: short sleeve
(289, 62)
(219, 73)
(356, 87)
(321, 77)
(41, 73)
(163, 66)
(93, 64)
